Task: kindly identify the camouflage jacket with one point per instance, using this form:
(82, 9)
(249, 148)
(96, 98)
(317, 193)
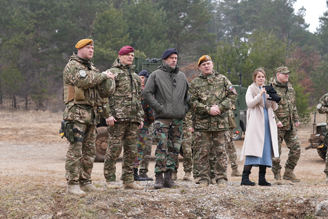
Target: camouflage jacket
(287, 111)
(213, 89)
(83, 75)
(322, 107)
(232, 120)
(125, 103)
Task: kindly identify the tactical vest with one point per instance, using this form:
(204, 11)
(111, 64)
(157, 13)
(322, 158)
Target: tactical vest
(88, 96)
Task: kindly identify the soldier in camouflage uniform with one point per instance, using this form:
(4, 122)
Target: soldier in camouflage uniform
(144, 163)
(143, 132)
(186, 149)
(231, 151)
(287, 120)
(322, 107)
(84, 106)
(166, 92)
(124, 121)
(231, 148)
(211, 96)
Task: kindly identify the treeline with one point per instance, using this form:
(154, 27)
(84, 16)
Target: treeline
(38, 36)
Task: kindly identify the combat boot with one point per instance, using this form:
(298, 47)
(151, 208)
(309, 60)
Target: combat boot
(112, 185)
(145, 176)
(136, 176)
(277, 179)
(213, 181)
(245, 179)
(159, 181)
(132, 185)
(75, 190)
(174, 176)
(187, 176)
(222, 182)
(289, 175)
(168, 181)
(235, 172)
(90, 188)
(203, 182)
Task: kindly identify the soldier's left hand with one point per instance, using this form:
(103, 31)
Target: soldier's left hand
(141, 125)
(297, 124)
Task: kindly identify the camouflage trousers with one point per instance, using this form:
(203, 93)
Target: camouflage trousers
(186, 149)
(231, 151)
(292, 142)
(141, 145)
(168, 132)
(125, 133)
(326, 160)
(144, 163)
(210, 157)
(81, 155)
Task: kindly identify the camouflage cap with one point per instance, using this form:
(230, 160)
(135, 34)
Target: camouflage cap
(282, 70)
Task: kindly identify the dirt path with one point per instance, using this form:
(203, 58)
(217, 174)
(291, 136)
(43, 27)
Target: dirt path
(35, 148)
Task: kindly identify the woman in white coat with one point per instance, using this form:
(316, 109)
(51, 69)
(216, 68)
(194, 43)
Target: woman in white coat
(261, 139)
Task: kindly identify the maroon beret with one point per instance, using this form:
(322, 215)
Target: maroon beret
(125, 50)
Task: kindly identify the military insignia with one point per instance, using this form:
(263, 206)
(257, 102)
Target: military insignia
(207, 57)
(233, 90)
(83, 73)
(319, 106)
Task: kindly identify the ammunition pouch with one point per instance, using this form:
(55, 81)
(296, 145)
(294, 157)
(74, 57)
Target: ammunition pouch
(67, 131)
(81, 96)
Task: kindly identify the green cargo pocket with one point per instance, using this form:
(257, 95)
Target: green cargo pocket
(202, 124)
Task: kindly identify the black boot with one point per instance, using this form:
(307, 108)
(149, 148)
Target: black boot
(245, 179)
(136, 176)
(159, 181)
(262, 180)
(168, 181)
(144, 175)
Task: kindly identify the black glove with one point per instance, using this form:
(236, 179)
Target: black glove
(272, 93)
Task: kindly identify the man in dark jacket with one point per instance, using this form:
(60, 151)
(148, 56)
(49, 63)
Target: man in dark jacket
(166, 92)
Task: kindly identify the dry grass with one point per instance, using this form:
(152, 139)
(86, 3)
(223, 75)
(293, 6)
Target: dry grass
(29, 126)
(32, 183)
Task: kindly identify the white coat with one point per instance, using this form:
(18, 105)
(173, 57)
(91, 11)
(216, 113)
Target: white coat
(255, 130)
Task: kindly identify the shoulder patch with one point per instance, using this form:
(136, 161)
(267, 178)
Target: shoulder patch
(319, 106)
(233, 89)
(82, 73)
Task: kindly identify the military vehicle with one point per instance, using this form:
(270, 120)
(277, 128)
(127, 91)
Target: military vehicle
(240, 112)
(316, 139)
(151, 65)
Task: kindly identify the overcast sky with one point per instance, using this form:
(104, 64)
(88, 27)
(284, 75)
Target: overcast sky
(314, 9)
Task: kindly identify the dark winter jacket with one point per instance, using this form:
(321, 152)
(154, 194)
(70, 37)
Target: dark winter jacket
(166, 92)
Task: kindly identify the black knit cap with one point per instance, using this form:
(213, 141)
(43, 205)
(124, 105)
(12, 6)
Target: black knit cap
(169, 52)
